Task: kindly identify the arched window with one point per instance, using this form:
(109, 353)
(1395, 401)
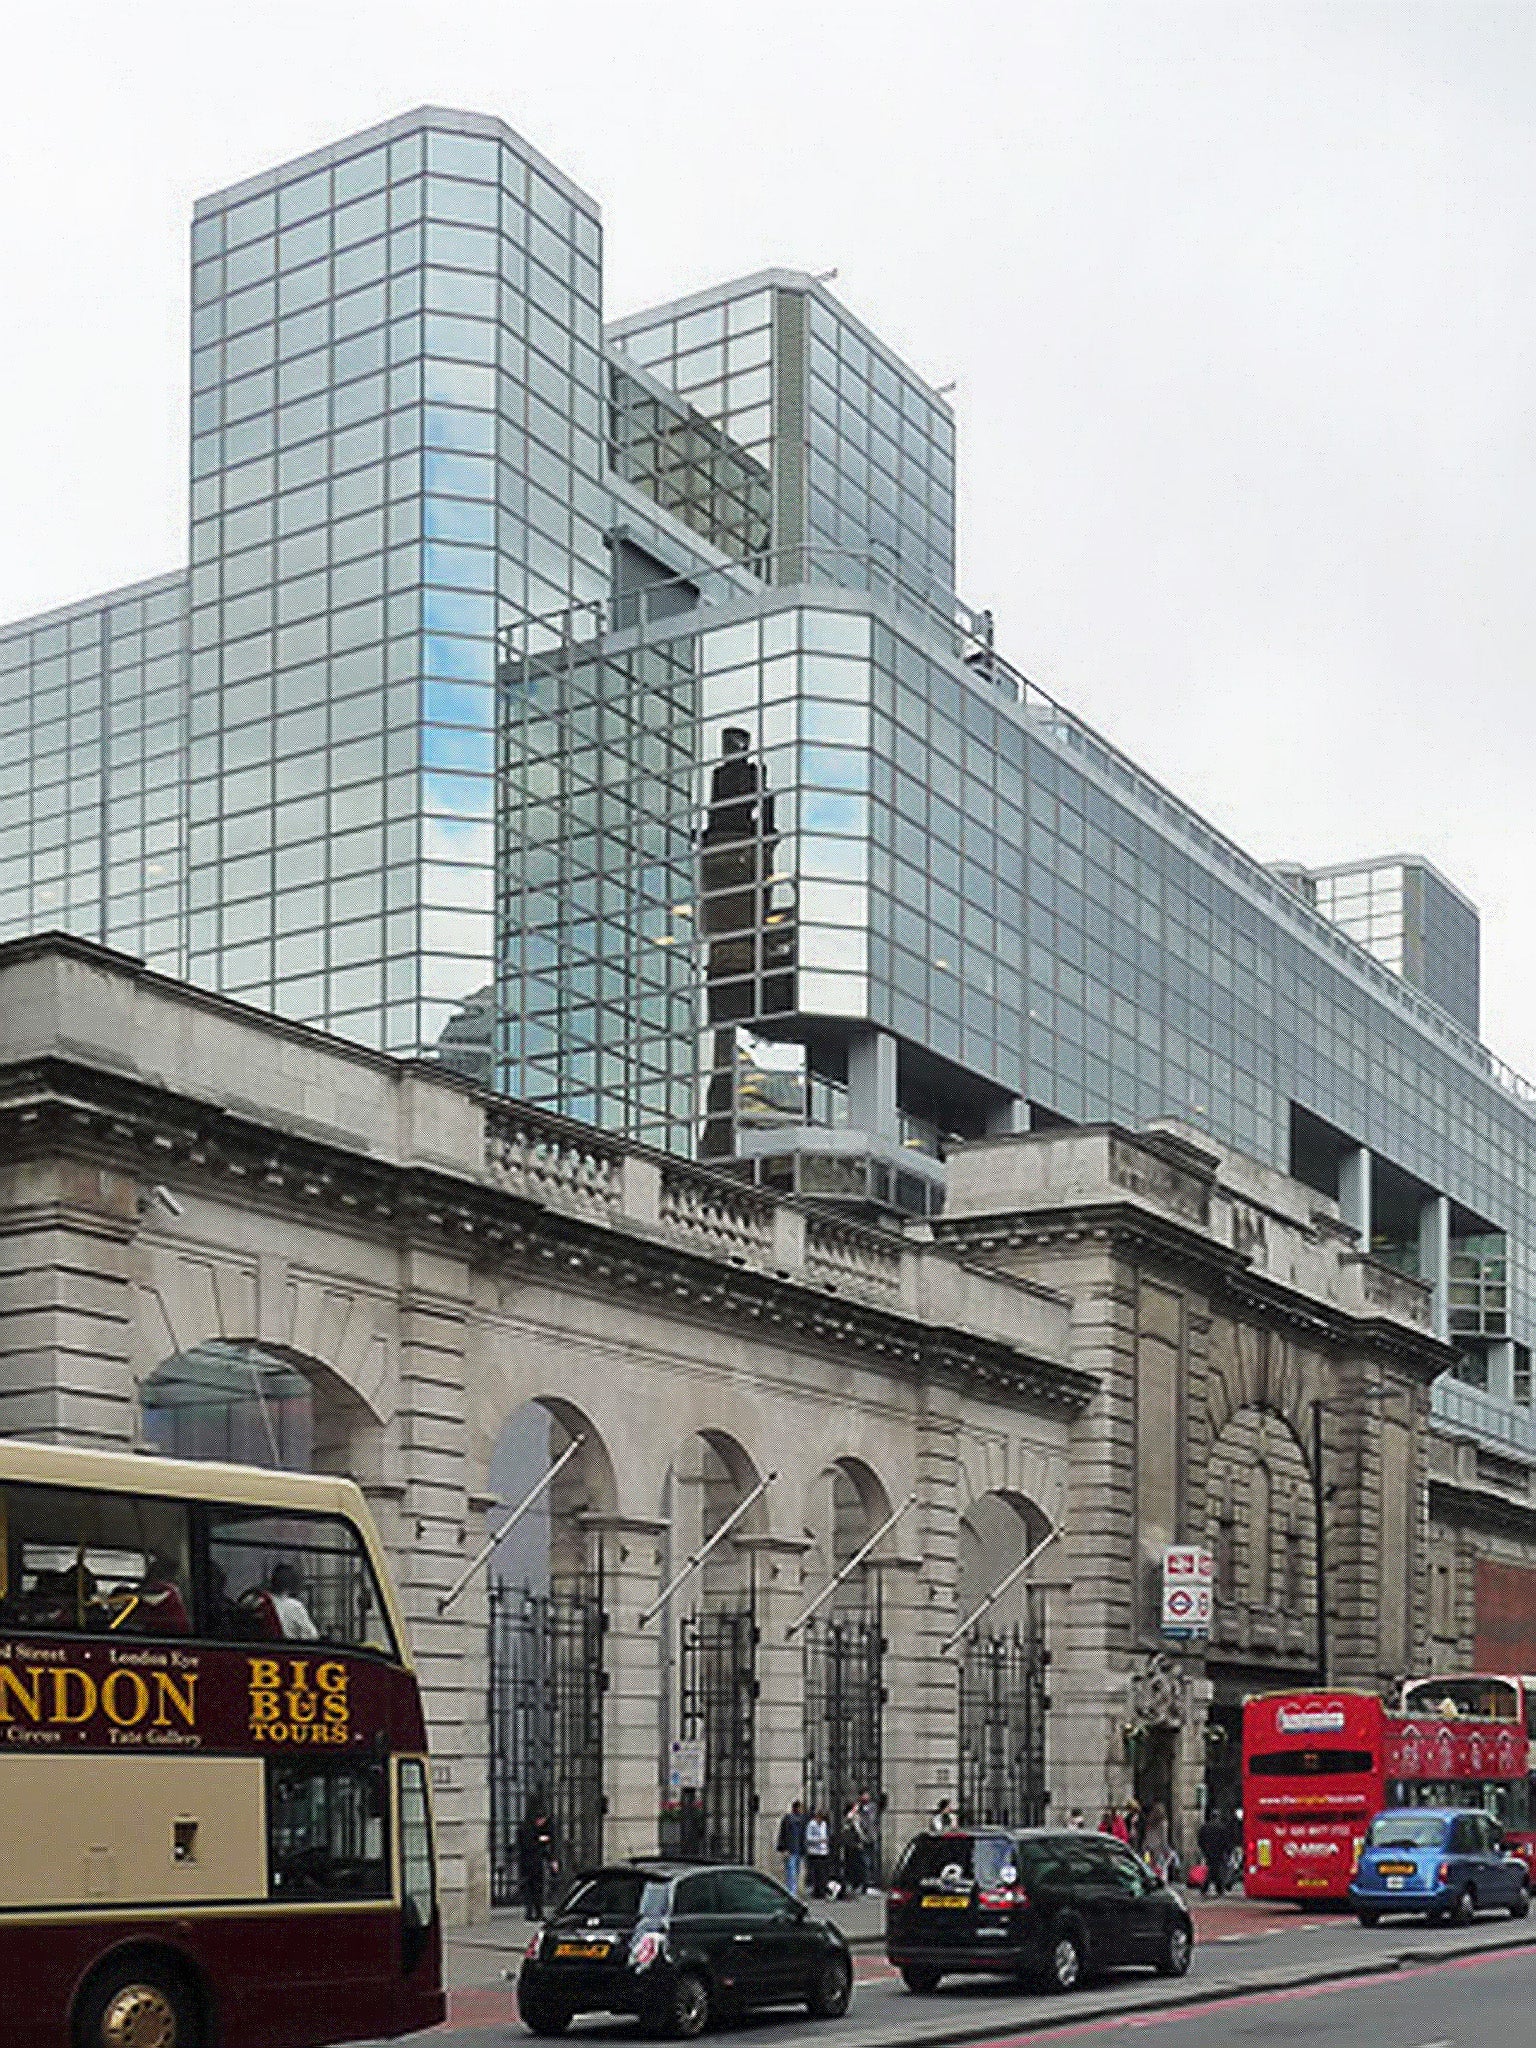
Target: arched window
(239, 1402)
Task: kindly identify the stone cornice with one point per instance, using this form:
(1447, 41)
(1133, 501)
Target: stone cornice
(1482, 1508)
(1131, 1230)
(55, 1104)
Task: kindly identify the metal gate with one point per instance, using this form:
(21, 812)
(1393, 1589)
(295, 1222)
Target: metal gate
(717, 1703)
(844, 1700)
(545, 1711)
(1003, 1704)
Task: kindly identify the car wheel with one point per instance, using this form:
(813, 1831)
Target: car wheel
(831, 1989)
(1174, 1953)
(919, 1979)
(1367, 1916)
(1520, 1904)
(1464, 1907)
(1064, 1959)
(138, 2005)
(689, 2015)
(543, 2015)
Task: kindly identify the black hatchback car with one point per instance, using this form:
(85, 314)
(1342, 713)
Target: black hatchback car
(1050, 1905)
(678, 1945)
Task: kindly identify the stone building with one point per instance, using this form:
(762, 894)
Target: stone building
(1136, 1338)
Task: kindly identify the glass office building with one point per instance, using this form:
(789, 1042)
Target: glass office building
(593, 709)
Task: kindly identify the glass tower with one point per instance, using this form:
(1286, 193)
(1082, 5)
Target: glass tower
(595, 711)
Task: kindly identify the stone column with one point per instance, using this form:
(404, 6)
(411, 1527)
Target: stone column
(631, 1554)
(1435, 1258)
(780, 1732)
(922, 1731)
(66, 1303)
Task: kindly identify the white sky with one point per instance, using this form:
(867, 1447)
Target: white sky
(1239, 299)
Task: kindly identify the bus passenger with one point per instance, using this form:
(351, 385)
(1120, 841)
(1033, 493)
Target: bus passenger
(283, 1591)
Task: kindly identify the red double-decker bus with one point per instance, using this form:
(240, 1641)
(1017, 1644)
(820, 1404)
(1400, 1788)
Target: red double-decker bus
(1318, 1765)
(1487, 1696)
(215, 1821)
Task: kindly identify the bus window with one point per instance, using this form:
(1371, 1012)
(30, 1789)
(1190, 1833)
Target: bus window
(325, 1829)
(296, 1577)
(417, 1900)
(1447, 1699)
(93, 1563)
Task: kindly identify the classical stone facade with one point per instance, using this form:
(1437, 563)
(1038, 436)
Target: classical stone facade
(1133, 1337)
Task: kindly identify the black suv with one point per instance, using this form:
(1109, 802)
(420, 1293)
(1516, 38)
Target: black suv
(1049, 1904)
(677, 1944)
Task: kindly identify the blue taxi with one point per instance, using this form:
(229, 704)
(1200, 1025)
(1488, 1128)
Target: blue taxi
(1444, 1862)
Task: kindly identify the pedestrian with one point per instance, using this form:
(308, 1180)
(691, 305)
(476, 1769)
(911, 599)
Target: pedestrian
(535, 1859)
(818, 1851)
(869, 1834)
(791, 1846)
(851, 1846)
(1120, 1825)
(942, 1819)
(1107, 1821)
(1215, 1841)
(1134, 1825)
(1156, 1845)
(1077, 1819)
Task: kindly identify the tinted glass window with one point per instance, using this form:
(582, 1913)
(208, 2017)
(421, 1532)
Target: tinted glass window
(93, 1563)
(615, 1895)
(1466, 1835)
(1129, 1876)
(743, 1891)
(1489, 1699)
(695, 1895)
(303, 1578)
(417, 1887)
(1046, 1862)
(325, 1830)
(933, 1858)
(1312, 1763)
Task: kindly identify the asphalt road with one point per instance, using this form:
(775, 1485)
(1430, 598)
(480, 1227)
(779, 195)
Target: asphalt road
(1423, 1990)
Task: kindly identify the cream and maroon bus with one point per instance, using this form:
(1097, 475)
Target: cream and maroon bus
(215, 1806)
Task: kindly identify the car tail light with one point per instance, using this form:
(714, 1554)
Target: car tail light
(1005, 1896)
(899, 1896)
(1444, 1873)
(644, 1950)
(531, 1952)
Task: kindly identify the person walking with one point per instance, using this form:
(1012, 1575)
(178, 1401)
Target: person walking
(1156, 1844)
(1213, 1839)
(535, 1859)
(869, 1835)
(791, 1846)
(942, 1818)
(818, 1852)
(851, 1845)
(1118, 1825)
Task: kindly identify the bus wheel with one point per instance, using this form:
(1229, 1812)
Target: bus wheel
(137, 2005)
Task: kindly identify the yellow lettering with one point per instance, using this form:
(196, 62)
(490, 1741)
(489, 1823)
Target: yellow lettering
(265, 1676)
(331, 1677)
(334, 1708)
(301, 1706)
(111, 1688)
(87, 1685)
(181, 1695)
(298, 1666)
(263, 1707)
(30, 1703)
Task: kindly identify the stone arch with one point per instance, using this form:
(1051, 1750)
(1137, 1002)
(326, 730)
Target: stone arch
(996, 1530)
(845, 1503)
(259, 1403)
(552, 1545)
(710, 1474)
(1261, 1523)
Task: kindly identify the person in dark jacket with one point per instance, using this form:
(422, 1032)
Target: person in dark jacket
(791, 1846)
(1215, 1839)
(535, 1860)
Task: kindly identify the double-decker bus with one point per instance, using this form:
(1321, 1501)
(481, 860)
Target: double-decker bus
(215, 1818)
(1318, 1765)
(1487, 1696)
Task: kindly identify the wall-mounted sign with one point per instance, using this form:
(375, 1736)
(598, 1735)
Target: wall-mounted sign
(1186, 1590)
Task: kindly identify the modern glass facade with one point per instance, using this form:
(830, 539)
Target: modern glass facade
(1412, 920)
(596, 711)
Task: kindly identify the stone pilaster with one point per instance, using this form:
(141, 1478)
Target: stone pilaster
(780, 1735)
(631, 1555)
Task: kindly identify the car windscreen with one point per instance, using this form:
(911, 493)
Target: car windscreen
(615, 1895)
(1406, 1831)
(937, 1859)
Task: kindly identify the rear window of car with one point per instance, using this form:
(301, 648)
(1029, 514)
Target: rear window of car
(1406, 1831)
(933, 1859)
(616, 1895)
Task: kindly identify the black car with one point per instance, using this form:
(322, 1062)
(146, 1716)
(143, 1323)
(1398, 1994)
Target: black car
(1052, 1905)
(678, 1944)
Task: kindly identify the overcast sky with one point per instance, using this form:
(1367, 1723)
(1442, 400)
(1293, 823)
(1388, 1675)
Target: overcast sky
(1239, 301)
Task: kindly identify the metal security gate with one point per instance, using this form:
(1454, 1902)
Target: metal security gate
(717, 1704)
(545, 1711)
(844, 1701)
(1003, 1705)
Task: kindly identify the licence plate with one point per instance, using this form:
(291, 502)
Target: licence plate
(960, 1903)
(1395, 1869)
(1395, 1884)
(582, 1951)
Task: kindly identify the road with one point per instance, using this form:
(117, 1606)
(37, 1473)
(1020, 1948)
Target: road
(1398, 1986)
